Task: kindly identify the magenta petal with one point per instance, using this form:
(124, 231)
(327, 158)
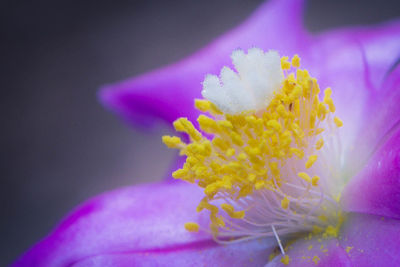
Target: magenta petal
(382, 114)
(169, 93)
(136, 224)
(147, 217)
(330, 63)
(364, 240)
(371, 240)
(354, 62)
(253, 253)
(302, 253)
(376, 189)
(381, 46)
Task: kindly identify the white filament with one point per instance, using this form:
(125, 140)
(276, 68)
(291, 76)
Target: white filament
(265, 216)
(278, 240)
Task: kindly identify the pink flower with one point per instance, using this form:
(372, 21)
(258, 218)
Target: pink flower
(143, 225)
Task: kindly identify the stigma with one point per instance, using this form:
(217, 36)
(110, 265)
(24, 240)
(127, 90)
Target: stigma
(251, 88)
(267, 151)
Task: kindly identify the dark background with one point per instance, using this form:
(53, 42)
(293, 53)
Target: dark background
(58, 145)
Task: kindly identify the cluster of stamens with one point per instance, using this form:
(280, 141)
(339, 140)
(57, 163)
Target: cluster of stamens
(266, 172)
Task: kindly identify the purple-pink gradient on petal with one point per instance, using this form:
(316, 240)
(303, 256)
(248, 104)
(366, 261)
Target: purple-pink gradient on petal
(376, 189)
(365, 240)
(139, 226)
(303, 251)
(348, 61)
(241, 254)
(371, 240)
(144, 224)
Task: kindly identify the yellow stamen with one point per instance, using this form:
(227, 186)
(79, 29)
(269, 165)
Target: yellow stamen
(231, 211)
(316, 259)
(338, 122)
(311, 160)
(285, 203)
(296, 61)
(285, 259)
(305, 177)
(319, 144)
(192, 227)
(267, 165)
(285, 63)
(172, 141)
(314, 181)
(206, 106)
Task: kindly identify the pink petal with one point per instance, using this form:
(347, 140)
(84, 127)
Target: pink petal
(253, 253)
(376, 189)
(146, 217)
(372, 240)
(169, 93)
(354, 62)
(382, 114)
(302, 253)
(379, 46)
(130, 223)
(364, 240)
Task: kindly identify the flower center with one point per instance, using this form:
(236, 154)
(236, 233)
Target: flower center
(271, 167)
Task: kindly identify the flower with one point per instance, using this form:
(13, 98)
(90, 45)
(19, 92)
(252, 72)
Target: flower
(273, 165)
(143, 225)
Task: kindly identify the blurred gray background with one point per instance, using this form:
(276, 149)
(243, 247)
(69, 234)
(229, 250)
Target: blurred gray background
(59, 147)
